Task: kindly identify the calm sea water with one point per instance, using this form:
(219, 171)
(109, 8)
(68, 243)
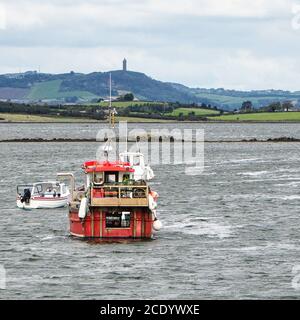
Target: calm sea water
(231, 232)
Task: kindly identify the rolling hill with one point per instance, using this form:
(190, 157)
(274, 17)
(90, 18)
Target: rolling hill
(77, 87)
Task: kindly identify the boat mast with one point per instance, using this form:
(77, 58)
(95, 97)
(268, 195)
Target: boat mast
(109, 107)
(126, 139)
(107, 146)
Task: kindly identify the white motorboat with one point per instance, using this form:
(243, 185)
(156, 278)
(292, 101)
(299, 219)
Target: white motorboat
(50, 194)
(142, 171)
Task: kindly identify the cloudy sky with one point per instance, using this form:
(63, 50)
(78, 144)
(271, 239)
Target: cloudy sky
(238, 44)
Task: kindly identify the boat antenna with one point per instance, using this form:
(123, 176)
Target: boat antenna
(138, 144)
(109, 107)
(126, 139)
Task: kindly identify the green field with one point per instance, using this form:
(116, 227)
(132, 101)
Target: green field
(123, 104)
(13, 117)
(255, 117)
(222, 99)
(260, 116)
(236, 102)
(50, 90)
(133, 119)
(198, 112)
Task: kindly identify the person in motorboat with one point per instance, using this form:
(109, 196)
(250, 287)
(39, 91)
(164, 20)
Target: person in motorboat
(26, 197)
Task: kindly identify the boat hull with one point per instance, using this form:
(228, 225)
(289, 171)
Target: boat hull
(94, 225)
(43, 203)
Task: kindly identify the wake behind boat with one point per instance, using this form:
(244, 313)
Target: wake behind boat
(42, 195)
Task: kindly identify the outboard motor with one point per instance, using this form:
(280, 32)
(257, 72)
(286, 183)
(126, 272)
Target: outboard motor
(26, 197)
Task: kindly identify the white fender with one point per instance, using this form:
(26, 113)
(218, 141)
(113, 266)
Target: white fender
(157, 225)
(152, 203)
(83, 208)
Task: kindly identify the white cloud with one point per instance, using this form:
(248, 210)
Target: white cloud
(227, 68)
(209, 43)
(32, 13)
(50, 14)
(244, 70)
(59, 60)
(296, 17)
(225, 8)
(2, 17)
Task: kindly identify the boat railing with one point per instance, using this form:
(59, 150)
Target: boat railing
(119, 195)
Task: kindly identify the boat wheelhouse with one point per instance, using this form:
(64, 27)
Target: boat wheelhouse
(112, 204)
(40, 195)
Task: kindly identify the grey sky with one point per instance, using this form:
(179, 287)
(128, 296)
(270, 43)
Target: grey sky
(241, 44)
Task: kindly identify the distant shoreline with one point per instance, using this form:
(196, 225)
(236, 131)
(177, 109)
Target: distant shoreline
(171, 139)
(154, 122)
(252, 118)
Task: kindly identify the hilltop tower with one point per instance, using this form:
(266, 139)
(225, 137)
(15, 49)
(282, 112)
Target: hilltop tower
(124, 65)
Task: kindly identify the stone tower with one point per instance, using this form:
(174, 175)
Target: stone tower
(124, 65)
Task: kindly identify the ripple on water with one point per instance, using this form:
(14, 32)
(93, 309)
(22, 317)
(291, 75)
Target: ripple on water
(201, 227)
(223, 237)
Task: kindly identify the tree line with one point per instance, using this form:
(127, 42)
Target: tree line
(95, 111)
(77, 111)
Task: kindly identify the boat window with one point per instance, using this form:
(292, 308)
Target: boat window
(48, 188)
(98, 178)
(111, 177)
(118, 220)
(38, 188)
(136, 161)
(125, 178)
(126, 158)
(21, 189)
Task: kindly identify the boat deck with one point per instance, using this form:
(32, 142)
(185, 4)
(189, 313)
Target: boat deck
(120, 196)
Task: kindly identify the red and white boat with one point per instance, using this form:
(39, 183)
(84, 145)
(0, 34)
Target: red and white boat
(42, 195)
(112, 204)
